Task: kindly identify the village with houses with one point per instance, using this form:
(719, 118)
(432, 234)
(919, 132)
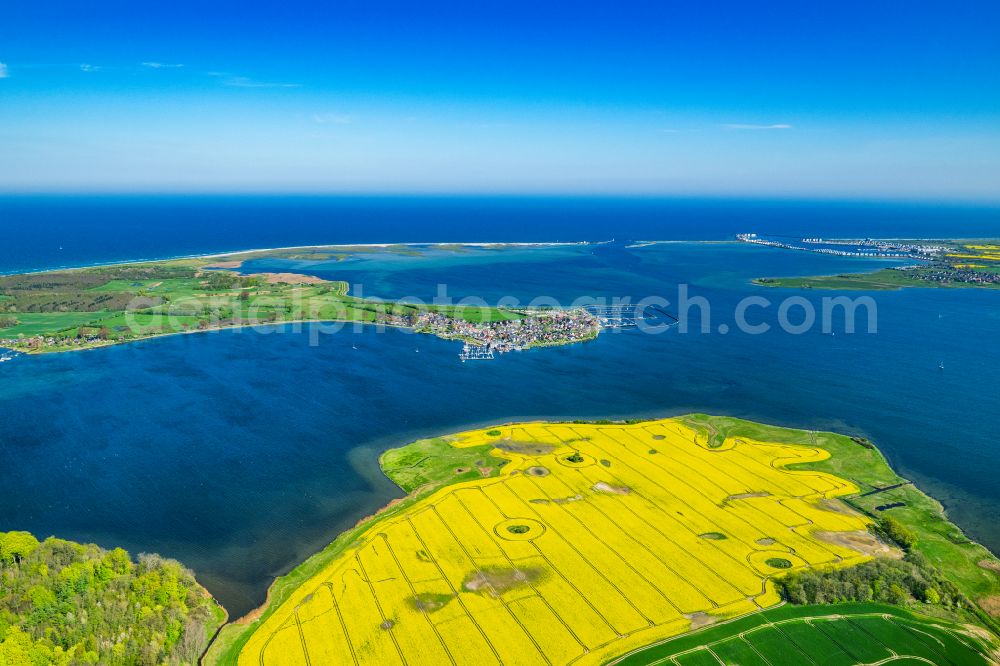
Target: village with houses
(940, 263)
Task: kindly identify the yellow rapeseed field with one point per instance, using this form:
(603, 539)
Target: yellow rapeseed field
(988, 256)
(594, 540)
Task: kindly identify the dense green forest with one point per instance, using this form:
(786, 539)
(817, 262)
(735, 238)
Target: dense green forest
(883, 579)
(65, 603)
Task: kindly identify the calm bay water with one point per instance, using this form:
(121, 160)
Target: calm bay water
(240, 453)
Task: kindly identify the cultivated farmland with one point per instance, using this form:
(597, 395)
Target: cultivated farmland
(839, 635)
(589, 541)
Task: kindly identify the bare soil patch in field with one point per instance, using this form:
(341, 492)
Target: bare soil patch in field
(289, 278)
(864, 542)
(991, 605)
(838, 507)
(496, 581)
(524, 448)
(603, 487)
(990, 564)
(699, 620)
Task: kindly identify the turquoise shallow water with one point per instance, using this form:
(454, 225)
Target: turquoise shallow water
(42, 232)
(240, 452)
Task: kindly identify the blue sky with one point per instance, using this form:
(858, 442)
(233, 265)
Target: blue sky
(847, 99)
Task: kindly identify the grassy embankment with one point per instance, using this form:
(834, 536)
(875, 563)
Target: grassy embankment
(92, 307)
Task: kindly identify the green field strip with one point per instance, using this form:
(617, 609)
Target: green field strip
(946, 644)
(852, 640)
(702, 657)
(70, 298)
(822, 650)
(850, 634)
(896, 638)
(774, 646)
(41, 323)
(738, 652)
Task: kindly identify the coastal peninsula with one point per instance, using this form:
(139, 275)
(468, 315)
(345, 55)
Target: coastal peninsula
(83, 308)
(600, 542)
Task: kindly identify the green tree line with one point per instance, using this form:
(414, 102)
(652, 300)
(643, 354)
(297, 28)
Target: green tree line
(65, 603)
(885, 579)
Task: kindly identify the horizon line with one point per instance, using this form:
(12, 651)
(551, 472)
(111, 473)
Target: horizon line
(887, 199)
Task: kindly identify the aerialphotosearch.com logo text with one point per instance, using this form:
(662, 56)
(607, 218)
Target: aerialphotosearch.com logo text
(757, 314)
(543, 319)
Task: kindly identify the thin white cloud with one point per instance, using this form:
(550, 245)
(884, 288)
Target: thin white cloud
(246, 82)
(235, 81)
(496, 125)
(744, 126)
(3, 71)
(89, 68)
(161, 65)
(332, 119)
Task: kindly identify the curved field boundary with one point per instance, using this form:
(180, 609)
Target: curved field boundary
(972, 567)
(839, 635)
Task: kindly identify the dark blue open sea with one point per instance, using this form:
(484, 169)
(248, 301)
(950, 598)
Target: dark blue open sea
(240, 453)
